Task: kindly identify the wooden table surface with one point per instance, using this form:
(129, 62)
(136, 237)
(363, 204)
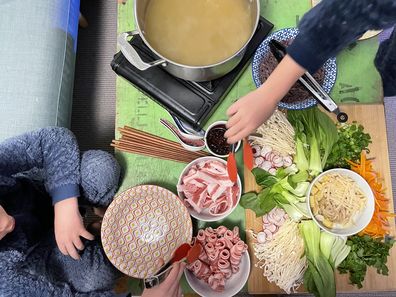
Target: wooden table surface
(373, 119)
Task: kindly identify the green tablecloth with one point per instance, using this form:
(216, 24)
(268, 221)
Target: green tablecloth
(357, 82)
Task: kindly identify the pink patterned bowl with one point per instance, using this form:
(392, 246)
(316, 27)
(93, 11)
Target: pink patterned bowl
(141, 225)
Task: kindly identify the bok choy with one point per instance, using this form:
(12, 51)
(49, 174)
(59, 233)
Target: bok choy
(324, 253)
(286, 189)
(315, 135)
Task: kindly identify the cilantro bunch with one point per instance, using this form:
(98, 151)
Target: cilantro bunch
(365, 251)
(351, 141)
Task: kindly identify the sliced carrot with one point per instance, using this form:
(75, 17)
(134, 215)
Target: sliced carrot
(379, 224)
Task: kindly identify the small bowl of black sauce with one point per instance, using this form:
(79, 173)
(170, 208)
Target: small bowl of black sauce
(215, 141)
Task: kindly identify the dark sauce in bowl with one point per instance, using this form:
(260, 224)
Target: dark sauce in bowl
(216, 141)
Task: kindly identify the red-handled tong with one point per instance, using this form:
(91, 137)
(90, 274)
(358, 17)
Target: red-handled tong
(232, 168)
(187, 252)
(247, 154)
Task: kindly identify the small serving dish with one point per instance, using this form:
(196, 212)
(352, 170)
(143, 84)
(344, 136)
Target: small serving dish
(359, 220)
(215, 142)
(232, 286)
(187, 192)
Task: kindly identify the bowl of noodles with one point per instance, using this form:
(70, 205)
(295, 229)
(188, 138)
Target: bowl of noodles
(341, 202)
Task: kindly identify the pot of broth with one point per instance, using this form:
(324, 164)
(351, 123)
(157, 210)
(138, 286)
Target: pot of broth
(195, 40)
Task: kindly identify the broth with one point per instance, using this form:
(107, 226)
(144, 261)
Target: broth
(198, 32)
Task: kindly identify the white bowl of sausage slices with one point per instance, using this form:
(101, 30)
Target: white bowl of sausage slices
(223, 267)
(207, 191)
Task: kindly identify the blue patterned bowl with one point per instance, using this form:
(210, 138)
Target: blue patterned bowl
(330, 68)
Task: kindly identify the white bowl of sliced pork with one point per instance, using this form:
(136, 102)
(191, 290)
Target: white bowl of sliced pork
(207, 191)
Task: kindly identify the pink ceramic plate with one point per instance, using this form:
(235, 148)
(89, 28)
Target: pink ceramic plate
(141, 225)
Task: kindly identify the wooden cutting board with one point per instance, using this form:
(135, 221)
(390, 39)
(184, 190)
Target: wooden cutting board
(373, 119)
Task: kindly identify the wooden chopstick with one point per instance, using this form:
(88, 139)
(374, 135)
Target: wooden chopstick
(137, 139)
(148, 138)
(159, 150)
(143, 143)
(171, 157)
(174, 159)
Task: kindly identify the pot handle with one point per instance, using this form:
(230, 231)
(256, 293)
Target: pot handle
(132, 55)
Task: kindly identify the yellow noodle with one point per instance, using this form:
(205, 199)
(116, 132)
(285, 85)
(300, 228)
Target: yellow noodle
(338, 199)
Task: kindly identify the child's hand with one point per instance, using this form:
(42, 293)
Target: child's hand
(7, 223)
(69, 227)
(170, 285)
(248, 113)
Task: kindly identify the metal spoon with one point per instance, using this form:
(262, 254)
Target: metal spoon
(186, 128)
(192, 143)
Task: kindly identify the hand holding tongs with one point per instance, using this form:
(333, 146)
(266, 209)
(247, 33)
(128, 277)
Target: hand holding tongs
(279, 52)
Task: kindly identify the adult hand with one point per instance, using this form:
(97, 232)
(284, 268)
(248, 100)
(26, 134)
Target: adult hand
(170, 287)
(248, 113)
(7, 223)
(69, 227)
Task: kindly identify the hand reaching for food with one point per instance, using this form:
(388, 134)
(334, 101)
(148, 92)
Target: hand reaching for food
(248, 113)
(7, 223)
(255, 108)
(69, 227)
(170, 285)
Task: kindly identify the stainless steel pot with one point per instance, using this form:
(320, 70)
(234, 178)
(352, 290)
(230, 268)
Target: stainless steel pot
(194, 73)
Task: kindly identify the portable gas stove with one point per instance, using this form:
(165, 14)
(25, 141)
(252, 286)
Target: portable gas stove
(191, 102)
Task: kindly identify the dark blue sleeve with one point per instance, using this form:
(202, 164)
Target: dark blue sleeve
(333, 24)
(53, 149)
(17, 281)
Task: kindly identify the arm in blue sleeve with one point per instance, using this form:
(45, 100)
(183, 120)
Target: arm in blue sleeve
(15, 281)
(53, 149)
(333, 24)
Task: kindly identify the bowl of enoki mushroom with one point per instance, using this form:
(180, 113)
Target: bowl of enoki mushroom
(341, 202)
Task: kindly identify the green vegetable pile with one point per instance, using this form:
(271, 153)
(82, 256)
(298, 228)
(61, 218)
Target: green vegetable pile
(316, 135)
(286, 189)
(351, 142)
(320, 144)
(324, 252)
(365, 251)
